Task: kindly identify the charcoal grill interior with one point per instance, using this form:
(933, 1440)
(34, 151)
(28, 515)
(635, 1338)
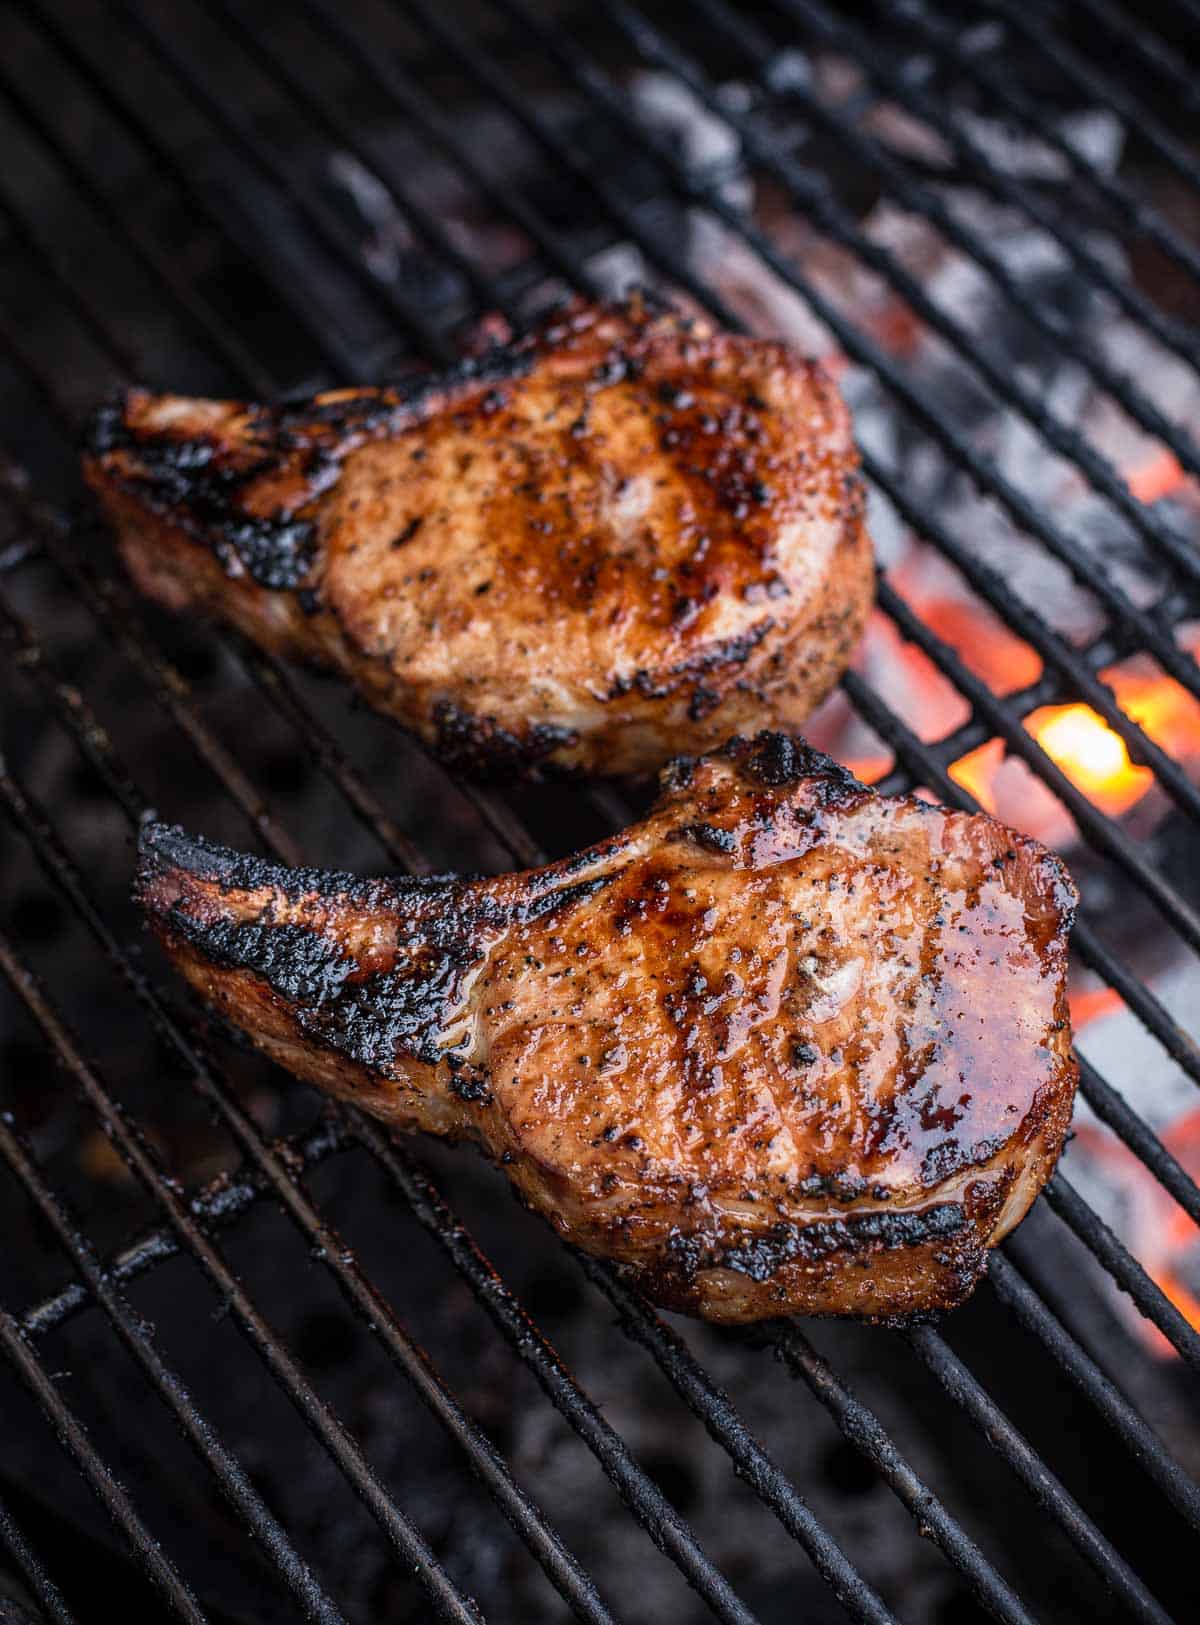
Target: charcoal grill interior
(263, 1361)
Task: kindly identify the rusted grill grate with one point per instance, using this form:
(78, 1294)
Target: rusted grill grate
(212, 226)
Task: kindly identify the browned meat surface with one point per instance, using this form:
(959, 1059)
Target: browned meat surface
(621, 536)
(786, 1045)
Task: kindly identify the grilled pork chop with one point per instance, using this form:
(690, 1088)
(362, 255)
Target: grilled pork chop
(619, 537)
(785, 1046)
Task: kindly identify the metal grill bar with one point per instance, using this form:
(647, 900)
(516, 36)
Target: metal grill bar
(72, 1435)
(340, 131)
(238, 131)
(1161, 56)
(711, 1406)
(401, 90)
(1124, 1268)
(277, 687)
(1014, 1290)
(523, 1335)
(123, 110)
(863, 1430)
(1041, 1483)
(137, 1337)
(1109, 92)
(408, 1545)
(107, 602)
(49, 1597)
(219, 1203)
(64, 286)
(1075, 672)
(141, 244)
(1103, 834)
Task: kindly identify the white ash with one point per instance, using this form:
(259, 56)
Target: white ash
(1096, 135)
(391, 236)
(706, 143)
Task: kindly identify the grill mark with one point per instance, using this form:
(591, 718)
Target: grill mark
(761, 1255)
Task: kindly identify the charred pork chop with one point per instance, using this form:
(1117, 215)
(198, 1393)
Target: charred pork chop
(785, 1046)
(621, 536)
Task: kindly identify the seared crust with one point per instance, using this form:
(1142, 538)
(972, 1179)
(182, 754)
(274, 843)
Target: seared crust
(617, 537)
(785, 1046)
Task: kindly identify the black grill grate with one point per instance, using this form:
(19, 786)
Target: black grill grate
(909, 56)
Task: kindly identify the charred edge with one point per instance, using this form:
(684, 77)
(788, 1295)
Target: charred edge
(408, 396)
(187, 482)
(166, 849)
(642, 307)
(469, 1083)
(677, 774)
(777, 760)
(657, 686)
(481, 747)
(107, 429)
(301, 965)
(374, 1019)
(762, 1255)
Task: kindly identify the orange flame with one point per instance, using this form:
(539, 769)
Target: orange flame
(1091, 753)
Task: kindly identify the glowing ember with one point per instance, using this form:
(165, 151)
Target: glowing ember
(976, 772)
(983, 643)
(1157, 478)
(870, 769)
(1091, 755)
(1090, 1004)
